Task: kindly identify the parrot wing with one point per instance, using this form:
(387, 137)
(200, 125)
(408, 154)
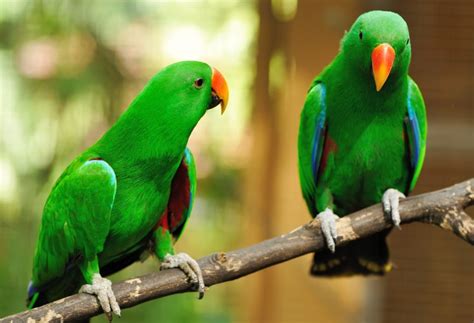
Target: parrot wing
(311, 142)
(75, 220)
(416, 130)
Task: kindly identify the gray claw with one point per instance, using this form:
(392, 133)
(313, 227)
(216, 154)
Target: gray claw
(328, 227)
(102, 289)
(390, 201)
(189, 266)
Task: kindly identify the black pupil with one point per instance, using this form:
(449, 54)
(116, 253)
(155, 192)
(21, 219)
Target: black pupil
(360, 35)
(199, 82)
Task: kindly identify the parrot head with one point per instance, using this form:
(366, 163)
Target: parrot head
(378, 45)
(179, 95)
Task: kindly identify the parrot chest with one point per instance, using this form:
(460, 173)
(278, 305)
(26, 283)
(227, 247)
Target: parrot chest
(369, 159)
(142, 196)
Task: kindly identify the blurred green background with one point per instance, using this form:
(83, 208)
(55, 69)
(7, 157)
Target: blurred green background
(69, 68)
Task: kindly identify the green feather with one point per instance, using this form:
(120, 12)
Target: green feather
(76, 218)
(104, 207)
(367, 128)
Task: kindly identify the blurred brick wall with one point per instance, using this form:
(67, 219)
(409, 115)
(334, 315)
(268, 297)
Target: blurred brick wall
(433, 279)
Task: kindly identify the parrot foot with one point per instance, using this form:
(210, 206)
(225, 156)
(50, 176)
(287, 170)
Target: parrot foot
(189, 266)
(102, 288)
(328, 227)
(390, 201)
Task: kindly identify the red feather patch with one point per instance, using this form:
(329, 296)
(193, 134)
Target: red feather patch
(329, 146)
(178, 202)
(180, 196)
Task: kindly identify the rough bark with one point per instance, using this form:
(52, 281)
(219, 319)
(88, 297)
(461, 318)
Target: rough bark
(444, 208)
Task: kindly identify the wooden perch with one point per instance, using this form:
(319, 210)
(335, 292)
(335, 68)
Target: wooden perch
(444, 208)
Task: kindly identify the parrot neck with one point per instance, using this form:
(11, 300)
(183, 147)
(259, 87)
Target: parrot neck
(351, 78)
(139, 137)
(352, 90)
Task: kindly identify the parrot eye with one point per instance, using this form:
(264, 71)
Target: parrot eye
(361, 35)
(198, 83)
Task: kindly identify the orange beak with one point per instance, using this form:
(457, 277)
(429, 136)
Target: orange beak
(220, 90)
(382, 61)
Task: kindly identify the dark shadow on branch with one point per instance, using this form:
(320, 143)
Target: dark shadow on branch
(444, 208)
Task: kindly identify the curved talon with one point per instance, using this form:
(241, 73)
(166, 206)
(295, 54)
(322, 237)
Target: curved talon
(102, 289)
(189, 266)
(390, 201)
(328, 227)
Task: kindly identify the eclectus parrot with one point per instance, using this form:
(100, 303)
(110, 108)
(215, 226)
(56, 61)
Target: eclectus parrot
(362, 139)
(128, 195)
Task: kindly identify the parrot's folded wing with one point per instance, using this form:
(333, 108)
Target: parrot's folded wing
(311, 142)
(76, 219)
(416, 129)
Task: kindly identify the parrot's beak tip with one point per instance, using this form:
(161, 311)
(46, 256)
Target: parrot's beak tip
(220, 91)
(223, 107)
(217, 100)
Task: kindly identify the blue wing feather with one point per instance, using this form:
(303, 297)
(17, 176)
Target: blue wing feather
(311, 142)
(189, 160)
(413, 133)
(318, 138)
(416, 129)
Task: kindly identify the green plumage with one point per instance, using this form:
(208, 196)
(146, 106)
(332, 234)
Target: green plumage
(364, 146)
(104, 209)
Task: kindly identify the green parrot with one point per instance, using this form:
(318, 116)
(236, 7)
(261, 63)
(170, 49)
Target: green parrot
(128, 195)
(362, 139)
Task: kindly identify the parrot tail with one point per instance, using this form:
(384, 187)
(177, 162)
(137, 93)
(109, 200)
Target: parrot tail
(55, 289)
(38, 297)
(368, 256)
(33, 294)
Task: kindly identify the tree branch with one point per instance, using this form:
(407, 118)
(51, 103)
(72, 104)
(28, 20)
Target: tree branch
(444, 208)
